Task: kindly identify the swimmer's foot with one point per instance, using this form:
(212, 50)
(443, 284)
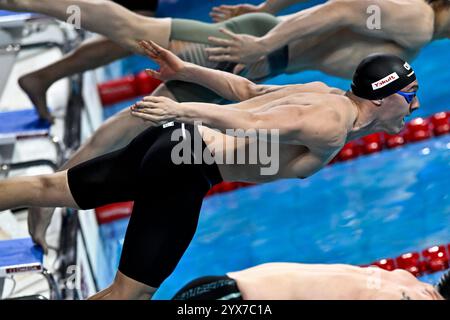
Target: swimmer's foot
(38, 221)
(36, 89)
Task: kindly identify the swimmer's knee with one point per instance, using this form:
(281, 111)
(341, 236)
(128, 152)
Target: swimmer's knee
(49, 182)
(46, 185)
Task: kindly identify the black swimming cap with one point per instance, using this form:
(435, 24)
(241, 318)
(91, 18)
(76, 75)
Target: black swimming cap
(380, 75)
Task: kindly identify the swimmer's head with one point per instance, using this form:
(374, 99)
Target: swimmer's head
(391, 85)
(443, 286)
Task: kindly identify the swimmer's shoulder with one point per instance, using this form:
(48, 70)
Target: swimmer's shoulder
(404, 276)
(313, 87)
(321, 87)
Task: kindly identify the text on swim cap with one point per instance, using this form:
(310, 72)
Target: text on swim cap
(385, 81)
(408, 67)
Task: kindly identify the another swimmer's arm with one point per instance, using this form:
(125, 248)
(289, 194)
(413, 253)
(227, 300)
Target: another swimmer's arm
(318, 20)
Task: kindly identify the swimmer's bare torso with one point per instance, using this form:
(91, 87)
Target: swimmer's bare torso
(294, 281)
(323, 103)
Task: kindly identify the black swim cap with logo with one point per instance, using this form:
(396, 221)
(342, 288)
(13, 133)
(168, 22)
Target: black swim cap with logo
(381, 75)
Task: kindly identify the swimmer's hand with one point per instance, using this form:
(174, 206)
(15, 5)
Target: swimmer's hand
(240, 48)
(156, 109)
(225, 12)
(171, 67)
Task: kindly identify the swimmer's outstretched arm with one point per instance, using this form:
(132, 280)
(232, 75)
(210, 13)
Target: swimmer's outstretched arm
(230, 86)
(295, 124)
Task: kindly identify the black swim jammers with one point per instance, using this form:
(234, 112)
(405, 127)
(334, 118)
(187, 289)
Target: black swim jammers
(167, 199)
(210, 288)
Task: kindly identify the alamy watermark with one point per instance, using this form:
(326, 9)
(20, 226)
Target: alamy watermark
(252, 147)
(74, 16)
(373, 22)
(73, 278)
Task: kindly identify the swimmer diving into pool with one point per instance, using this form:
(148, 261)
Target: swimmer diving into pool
(314, 122)
(296, 281)
(268, 45)
(335, 45)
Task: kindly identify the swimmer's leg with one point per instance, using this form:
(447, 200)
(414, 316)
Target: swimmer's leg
(106, 179)
(112, 135)
(125, 288)
(104, 17)
(101, 294)
(160, 229)
(50, 190)
(91, 54)
(165, 213)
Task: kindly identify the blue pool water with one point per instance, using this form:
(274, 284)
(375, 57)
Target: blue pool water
(355, 212)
